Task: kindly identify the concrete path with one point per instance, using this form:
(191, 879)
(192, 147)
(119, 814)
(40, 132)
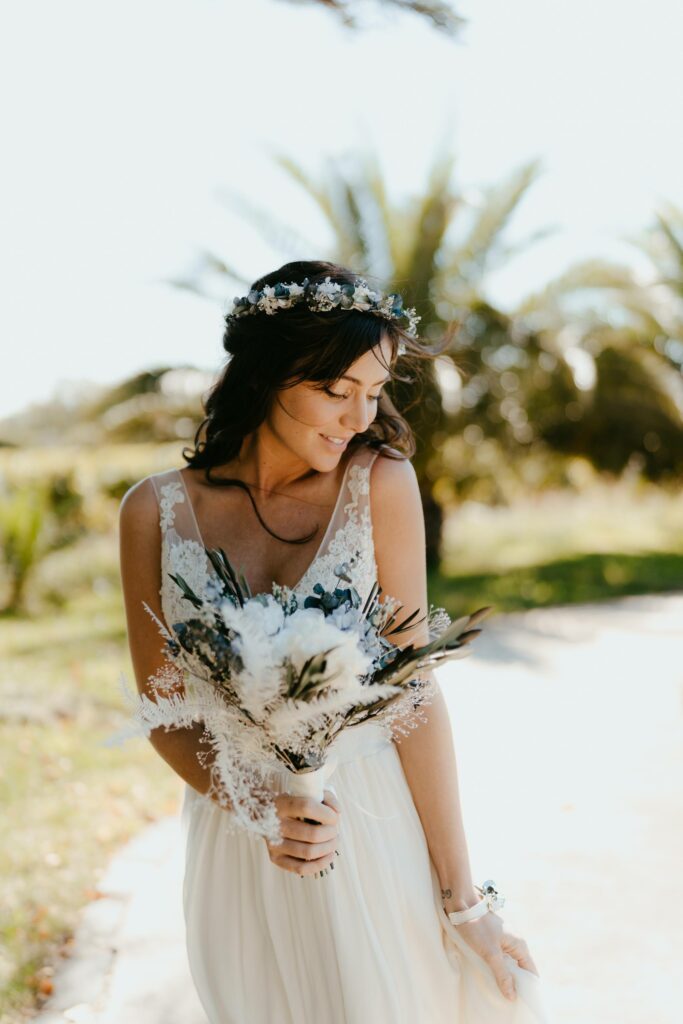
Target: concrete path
(566, 724)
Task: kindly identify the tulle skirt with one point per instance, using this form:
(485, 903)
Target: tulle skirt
(368, 943)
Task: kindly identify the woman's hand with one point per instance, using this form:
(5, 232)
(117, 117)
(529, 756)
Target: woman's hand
(306, 849)
(487, 938)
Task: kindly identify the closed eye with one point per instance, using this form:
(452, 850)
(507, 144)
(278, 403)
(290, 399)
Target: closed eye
(333, 394)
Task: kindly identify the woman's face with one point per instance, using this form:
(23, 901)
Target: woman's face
(311, 423)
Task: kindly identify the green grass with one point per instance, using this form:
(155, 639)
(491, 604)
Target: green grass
(68, 802)
(585, 578)
(562, 547)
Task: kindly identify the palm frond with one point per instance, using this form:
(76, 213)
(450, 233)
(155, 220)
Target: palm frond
(386, 256)
(508, 251)
(587, 274)
(325, 195)
(470, 258)
(281, 235)
(434, 216)
(439, 13)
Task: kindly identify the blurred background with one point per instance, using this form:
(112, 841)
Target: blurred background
(512, 167)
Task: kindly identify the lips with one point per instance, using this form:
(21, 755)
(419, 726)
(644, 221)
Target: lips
(337, 444)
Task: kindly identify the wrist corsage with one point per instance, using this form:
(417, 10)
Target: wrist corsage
(491, 901)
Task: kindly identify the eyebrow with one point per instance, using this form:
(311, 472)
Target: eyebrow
(382, 381)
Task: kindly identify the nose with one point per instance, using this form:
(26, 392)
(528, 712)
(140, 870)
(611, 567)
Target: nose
(358, 418)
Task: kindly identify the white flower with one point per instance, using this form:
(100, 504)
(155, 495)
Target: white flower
(413, 320)
(307, 633)
(327, 294)
(364, 298)
(344, 617)
(298, 639)
(256, 623)
(328, 287)
(268, 303)
(264, 614)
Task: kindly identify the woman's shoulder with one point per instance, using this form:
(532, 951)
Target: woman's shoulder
(393, 481)
(390, 464)
(375, 454)
(140, 503)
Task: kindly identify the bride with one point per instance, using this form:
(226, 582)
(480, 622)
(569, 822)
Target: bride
(302, 462)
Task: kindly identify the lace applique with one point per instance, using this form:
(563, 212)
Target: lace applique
(171, 494)
(184, 558)
(359, 483)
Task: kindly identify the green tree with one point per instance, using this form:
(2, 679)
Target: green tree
(621, 332)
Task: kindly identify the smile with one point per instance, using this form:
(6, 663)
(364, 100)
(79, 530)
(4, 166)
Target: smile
(338, 442)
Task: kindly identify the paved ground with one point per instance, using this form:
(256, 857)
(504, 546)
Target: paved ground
(567, 731)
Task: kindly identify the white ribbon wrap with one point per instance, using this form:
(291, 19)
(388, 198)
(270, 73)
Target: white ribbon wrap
(311, 784)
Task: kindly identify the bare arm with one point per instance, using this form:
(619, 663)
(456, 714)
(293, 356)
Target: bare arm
(140, 562)
(427, 753)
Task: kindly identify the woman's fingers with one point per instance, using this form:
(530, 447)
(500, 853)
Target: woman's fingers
(518, 949)
(306, 851)
(304, 832)
(486, 936)
(305, 842)
(305, 867)
(303, 807)
(502, 974)
(330, 799)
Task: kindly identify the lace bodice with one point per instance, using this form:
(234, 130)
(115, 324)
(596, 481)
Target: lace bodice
(348, 538)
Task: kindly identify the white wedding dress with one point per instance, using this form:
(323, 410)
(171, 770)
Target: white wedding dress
(368, 943)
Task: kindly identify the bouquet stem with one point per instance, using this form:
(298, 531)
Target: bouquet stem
(310, 784)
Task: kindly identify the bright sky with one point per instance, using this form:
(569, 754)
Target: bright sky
(124, 121)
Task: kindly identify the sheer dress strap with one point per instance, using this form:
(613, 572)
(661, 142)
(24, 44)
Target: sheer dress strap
(182, 548)
(176, 516)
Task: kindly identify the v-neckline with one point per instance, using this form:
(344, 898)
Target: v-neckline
(320, 546)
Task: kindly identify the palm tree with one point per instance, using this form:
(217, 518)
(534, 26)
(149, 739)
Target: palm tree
(621, 332)
(435, 249)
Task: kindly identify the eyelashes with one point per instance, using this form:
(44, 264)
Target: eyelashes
(333, 394)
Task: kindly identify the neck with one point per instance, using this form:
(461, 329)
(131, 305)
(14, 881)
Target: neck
(267, 465)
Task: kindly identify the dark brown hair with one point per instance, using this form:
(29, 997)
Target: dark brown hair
(272, 352)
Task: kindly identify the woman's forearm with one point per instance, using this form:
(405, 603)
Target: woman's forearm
(428, 759)
(180, 749)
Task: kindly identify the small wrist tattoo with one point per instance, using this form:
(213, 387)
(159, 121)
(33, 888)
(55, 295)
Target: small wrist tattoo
(446, 894)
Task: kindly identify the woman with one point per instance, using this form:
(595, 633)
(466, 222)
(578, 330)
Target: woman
(302, 462)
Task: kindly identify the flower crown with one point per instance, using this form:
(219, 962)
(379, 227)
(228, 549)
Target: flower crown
(323, 296)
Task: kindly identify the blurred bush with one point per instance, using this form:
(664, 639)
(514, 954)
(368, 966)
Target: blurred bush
(58, 499)
(45, 516)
